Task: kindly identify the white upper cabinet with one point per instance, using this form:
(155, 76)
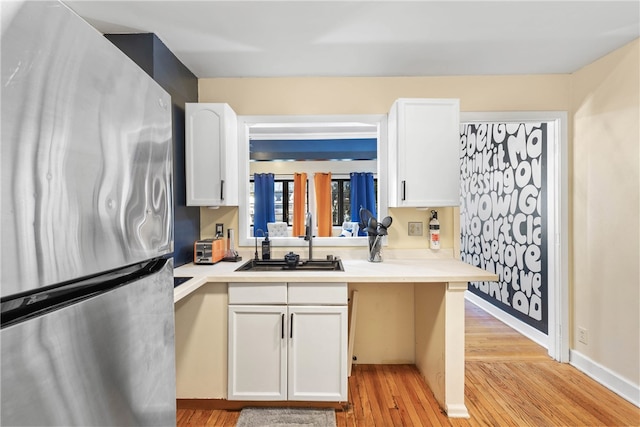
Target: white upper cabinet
(424, 153)
(211, 154)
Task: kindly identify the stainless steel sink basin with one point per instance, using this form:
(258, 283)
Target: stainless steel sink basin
(282, 265)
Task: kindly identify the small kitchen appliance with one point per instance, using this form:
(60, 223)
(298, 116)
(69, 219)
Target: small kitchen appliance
(208, 251)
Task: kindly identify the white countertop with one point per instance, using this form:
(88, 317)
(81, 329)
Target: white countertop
(355, 271)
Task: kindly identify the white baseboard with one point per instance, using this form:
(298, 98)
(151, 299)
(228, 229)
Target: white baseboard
(532, 333)
(457, 411)
(606, 377)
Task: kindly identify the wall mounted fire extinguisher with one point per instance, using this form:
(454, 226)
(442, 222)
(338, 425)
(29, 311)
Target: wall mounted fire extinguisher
(434, 231)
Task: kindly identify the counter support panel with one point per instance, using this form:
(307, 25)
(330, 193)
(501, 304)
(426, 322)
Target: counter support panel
(439, 323)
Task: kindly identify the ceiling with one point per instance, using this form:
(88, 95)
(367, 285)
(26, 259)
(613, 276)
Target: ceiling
(375, 38)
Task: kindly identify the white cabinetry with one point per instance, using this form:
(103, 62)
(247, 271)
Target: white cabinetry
(317, 353)
(424, 153)
(294, 351)
(211, 155)
(257, 352)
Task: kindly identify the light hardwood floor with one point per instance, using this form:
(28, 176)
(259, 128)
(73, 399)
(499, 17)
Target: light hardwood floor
(510, 381)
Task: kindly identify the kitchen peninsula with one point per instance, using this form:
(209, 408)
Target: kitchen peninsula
(437, 289)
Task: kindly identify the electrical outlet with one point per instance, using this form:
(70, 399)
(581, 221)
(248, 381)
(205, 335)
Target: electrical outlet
(219, 230)
(583, 336)
(415, 229)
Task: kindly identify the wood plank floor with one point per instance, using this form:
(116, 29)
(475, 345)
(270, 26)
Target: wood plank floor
(510, 381)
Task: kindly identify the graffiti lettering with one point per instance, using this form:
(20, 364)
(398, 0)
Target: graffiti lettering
(501, 221)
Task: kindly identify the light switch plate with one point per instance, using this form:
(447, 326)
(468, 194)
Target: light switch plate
(415, 229)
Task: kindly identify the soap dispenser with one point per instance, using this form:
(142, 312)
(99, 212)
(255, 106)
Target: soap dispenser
(266, 248)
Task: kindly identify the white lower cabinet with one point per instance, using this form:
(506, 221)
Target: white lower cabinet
(317, 353)
(257, 353)
(288, 352)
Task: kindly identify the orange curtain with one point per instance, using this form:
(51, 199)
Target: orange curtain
(299, 201)
(322, 183)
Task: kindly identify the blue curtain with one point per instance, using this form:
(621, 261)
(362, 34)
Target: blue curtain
(264, 206)
(363, 194)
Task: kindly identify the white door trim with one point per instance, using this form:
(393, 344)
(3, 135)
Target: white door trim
(558, 214)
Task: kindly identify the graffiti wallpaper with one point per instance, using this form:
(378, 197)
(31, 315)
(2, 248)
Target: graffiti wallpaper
(502, 215)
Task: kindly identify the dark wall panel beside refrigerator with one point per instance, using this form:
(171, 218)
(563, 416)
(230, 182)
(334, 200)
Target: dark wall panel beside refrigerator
(153, 56)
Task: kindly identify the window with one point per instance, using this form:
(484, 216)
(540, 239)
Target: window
(340, 193)
(283, 194)
(253, 129)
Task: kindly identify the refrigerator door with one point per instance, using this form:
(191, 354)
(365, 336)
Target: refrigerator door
(86, 153)
(108, 360)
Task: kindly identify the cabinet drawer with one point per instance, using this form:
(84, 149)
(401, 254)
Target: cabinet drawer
(257, 293)
(318, 293)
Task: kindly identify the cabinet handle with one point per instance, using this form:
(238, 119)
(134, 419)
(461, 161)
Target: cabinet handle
(404, 190)
(291, 327)
(222, 189)
(282, 327)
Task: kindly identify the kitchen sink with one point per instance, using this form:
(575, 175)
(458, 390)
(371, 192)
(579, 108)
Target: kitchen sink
(283, 265)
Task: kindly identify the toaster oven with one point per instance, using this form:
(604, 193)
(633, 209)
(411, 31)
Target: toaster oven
(208, 251)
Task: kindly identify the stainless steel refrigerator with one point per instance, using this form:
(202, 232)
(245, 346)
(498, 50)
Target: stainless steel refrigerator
(87, 334)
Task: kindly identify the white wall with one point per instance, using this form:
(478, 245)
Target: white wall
(606, 212)
(374, 95)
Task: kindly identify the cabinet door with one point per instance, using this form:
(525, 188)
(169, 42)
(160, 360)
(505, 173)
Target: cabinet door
(318, 353)
(425, 135)
(257, 353)
(210, 162)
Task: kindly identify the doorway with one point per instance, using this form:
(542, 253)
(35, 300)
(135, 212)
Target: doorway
(513, 220)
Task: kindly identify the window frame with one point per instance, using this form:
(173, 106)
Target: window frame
(245, 237)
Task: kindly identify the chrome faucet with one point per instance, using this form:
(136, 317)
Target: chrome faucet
(308, 233)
